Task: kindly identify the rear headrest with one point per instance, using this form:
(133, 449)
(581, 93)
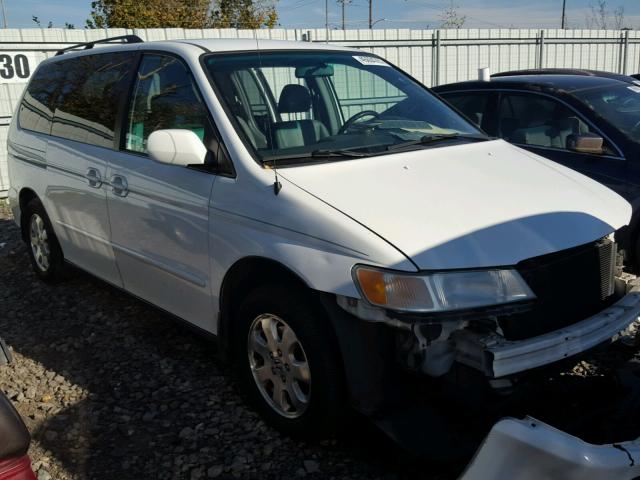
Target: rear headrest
(294, 99)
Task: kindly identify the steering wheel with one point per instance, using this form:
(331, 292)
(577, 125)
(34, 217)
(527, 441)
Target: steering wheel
(354, 118)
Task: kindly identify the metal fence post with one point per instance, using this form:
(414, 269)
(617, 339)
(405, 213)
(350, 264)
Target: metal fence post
(621, 53)
(541, 49)
(435, 59)
(625, 54)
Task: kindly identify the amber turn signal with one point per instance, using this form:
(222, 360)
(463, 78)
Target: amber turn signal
(373, 286)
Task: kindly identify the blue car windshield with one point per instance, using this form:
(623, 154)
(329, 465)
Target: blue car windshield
(619, 105)
(308, 104)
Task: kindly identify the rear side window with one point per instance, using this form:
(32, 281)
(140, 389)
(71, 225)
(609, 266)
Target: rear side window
(86, 107)
(473, 105)
(36, 109)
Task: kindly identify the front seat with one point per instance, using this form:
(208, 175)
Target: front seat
(297, 133)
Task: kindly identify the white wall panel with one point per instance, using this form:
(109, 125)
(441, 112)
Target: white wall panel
(459, 56)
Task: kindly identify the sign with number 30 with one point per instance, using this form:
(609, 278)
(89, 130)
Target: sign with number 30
(16, 67)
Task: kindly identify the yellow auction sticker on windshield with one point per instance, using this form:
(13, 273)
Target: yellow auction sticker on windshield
(371, 61)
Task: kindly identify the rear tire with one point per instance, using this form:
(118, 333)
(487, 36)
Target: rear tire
(288, 361)
(44, 250)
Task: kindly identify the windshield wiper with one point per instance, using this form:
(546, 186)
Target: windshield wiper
(337, 153)
(427, 139)
(316, 154)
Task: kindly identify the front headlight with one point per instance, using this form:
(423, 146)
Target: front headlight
(442, 291)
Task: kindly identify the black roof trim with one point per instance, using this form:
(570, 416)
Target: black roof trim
(566, 71)
(548, 71)
(89, 45)
(555, 83)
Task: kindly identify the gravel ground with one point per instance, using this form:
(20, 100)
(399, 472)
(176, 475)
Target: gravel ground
(110, 388)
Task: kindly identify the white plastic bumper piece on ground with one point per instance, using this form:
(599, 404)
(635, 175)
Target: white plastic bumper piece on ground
(498, 357)
(532, 450)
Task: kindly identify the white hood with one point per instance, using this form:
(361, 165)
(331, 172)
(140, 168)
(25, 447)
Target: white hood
(465, 206)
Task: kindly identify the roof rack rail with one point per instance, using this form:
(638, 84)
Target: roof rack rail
(89, 45)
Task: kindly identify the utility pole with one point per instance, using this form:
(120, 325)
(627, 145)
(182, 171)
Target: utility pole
(4, 15)
(326, 18)
(343, 4)
(370, 14)
(564, 14)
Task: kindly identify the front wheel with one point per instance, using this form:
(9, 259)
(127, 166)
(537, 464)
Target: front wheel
(288, 361)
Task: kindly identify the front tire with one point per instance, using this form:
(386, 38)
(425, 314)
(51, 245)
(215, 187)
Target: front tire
(42, 244)
(288, 361)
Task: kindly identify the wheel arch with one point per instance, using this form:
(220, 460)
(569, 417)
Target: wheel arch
(364, 349)
(25, 196)
(242, 277)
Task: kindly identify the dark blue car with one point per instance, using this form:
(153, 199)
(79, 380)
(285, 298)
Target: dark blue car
(589, 123)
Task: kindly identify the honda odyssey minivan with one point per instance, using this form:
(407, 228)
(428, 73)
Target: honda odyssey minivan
(349, 238)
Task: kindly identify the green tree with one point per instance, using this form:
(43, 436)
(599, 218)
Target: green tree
(148, 13)
(182, 13)
(243, 14)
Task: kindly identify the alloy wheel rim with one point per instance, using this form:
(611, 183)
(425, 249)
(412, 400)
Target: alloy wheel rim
(39, 241)
(279, 365)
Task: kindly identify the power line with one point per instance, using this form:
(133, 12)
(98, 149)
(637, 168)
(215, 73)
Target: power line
(296, 6)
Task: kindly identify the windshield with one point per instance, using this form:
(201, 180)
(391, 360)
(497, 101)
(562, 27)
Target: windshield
(619, 105)
(297, 106)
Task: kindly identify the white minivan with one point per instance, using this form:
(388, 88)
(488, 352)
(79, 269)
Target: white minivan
(349, 238)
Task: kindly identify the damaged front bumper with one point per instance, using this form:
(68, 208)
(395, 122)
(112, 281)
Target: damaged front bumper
(489, 352)
(497, 357)
(531, 450)
(446, 417)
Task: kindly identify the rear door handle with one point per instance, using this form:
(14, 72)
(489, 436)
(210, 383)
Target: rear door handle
(119, 185)
(94, 179)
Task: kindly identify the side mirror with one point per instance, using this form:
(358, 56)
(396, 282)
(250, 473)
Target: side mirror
(585, 143)
(176, 147)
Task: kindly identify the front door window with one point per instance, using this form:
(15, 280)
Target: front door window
(164, 96)
(536, 120)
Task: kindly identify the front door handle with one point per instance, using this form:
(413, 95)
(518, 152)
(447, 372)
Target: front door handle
(119, 185)
(94, 179)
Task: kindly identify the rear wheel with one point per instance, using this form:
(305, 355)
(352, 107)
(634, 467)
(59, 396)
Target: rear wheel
(288, 361)
(43, 247)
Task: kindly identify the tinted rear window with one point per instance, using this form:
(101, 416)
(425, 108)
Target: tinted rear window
(473, 105)
(86, 107)
(36, 109)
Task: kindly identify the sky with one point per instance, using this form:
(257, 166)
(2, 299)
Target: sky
(391, 13)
